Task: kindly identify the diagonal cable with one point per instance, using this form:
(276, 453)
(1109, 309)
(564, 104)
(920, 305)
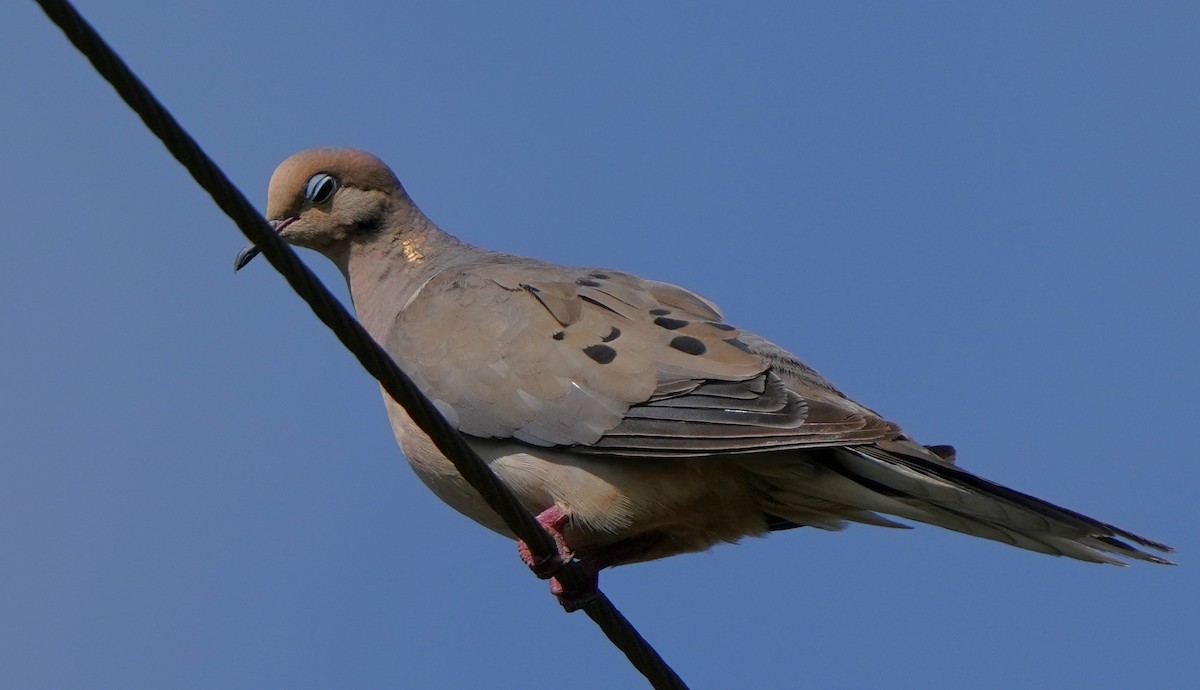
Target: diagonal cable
(331, 312)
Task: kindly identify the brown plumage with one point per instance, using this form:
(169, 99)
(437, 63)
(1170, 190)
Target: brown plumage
(625, 411)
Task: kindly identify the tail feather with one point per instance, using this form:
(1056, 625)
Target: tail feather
(938, 493)
(847, 487)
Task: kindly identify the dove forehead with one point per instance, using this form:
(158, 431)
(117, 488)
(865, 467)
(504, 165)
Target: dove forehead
(351, 167)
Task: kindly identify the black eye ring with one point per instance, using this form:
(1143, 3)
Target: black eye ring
(319, 188)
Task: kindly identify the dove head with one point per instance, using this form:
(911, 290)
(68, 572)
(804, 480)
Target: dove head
(323, 199)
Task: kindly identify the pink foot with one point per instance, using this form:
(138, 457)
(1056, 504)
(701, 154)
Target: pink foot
(575, 599)
(554, 520)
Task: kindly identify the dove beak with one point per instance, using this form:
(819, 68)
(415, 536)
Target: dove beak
(251, 250)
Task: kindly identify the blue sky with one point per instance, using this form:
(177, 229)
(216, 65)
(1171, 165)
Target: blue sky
(980, 221)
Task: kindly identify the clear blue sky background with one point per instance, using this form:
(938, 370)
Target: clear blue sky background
(981, 221)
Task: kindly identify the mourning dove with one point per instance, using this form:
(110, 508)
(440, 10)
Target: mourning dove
(626, 413)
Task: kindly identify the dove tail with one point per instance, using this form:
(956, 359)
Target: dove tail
(941, 494)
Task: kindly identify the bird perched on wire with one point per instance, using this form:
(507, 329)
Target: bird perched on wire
(626, 413)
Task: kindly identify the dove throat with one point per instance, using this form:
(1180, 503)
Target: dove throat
(384, 271)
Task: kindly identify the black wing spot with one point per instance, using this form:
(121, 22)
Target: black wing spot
(600, 276)
(559, 335)
(688, 344)
(612, 335)
(669, 323)
(602, 354)
(587, 282)
(722, 326)
(659, 311)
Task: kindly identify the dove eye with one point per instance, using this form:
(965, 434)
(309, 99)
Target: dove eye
(319, 188)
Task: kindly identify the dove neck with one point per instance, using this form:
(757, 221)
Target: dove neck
(385, 271)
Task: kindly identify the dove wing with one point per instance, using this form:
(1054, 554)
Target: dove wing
(613, 364)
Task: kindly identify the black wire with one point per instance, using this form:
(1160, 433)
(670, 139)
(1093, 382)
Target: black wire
(331, 312)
